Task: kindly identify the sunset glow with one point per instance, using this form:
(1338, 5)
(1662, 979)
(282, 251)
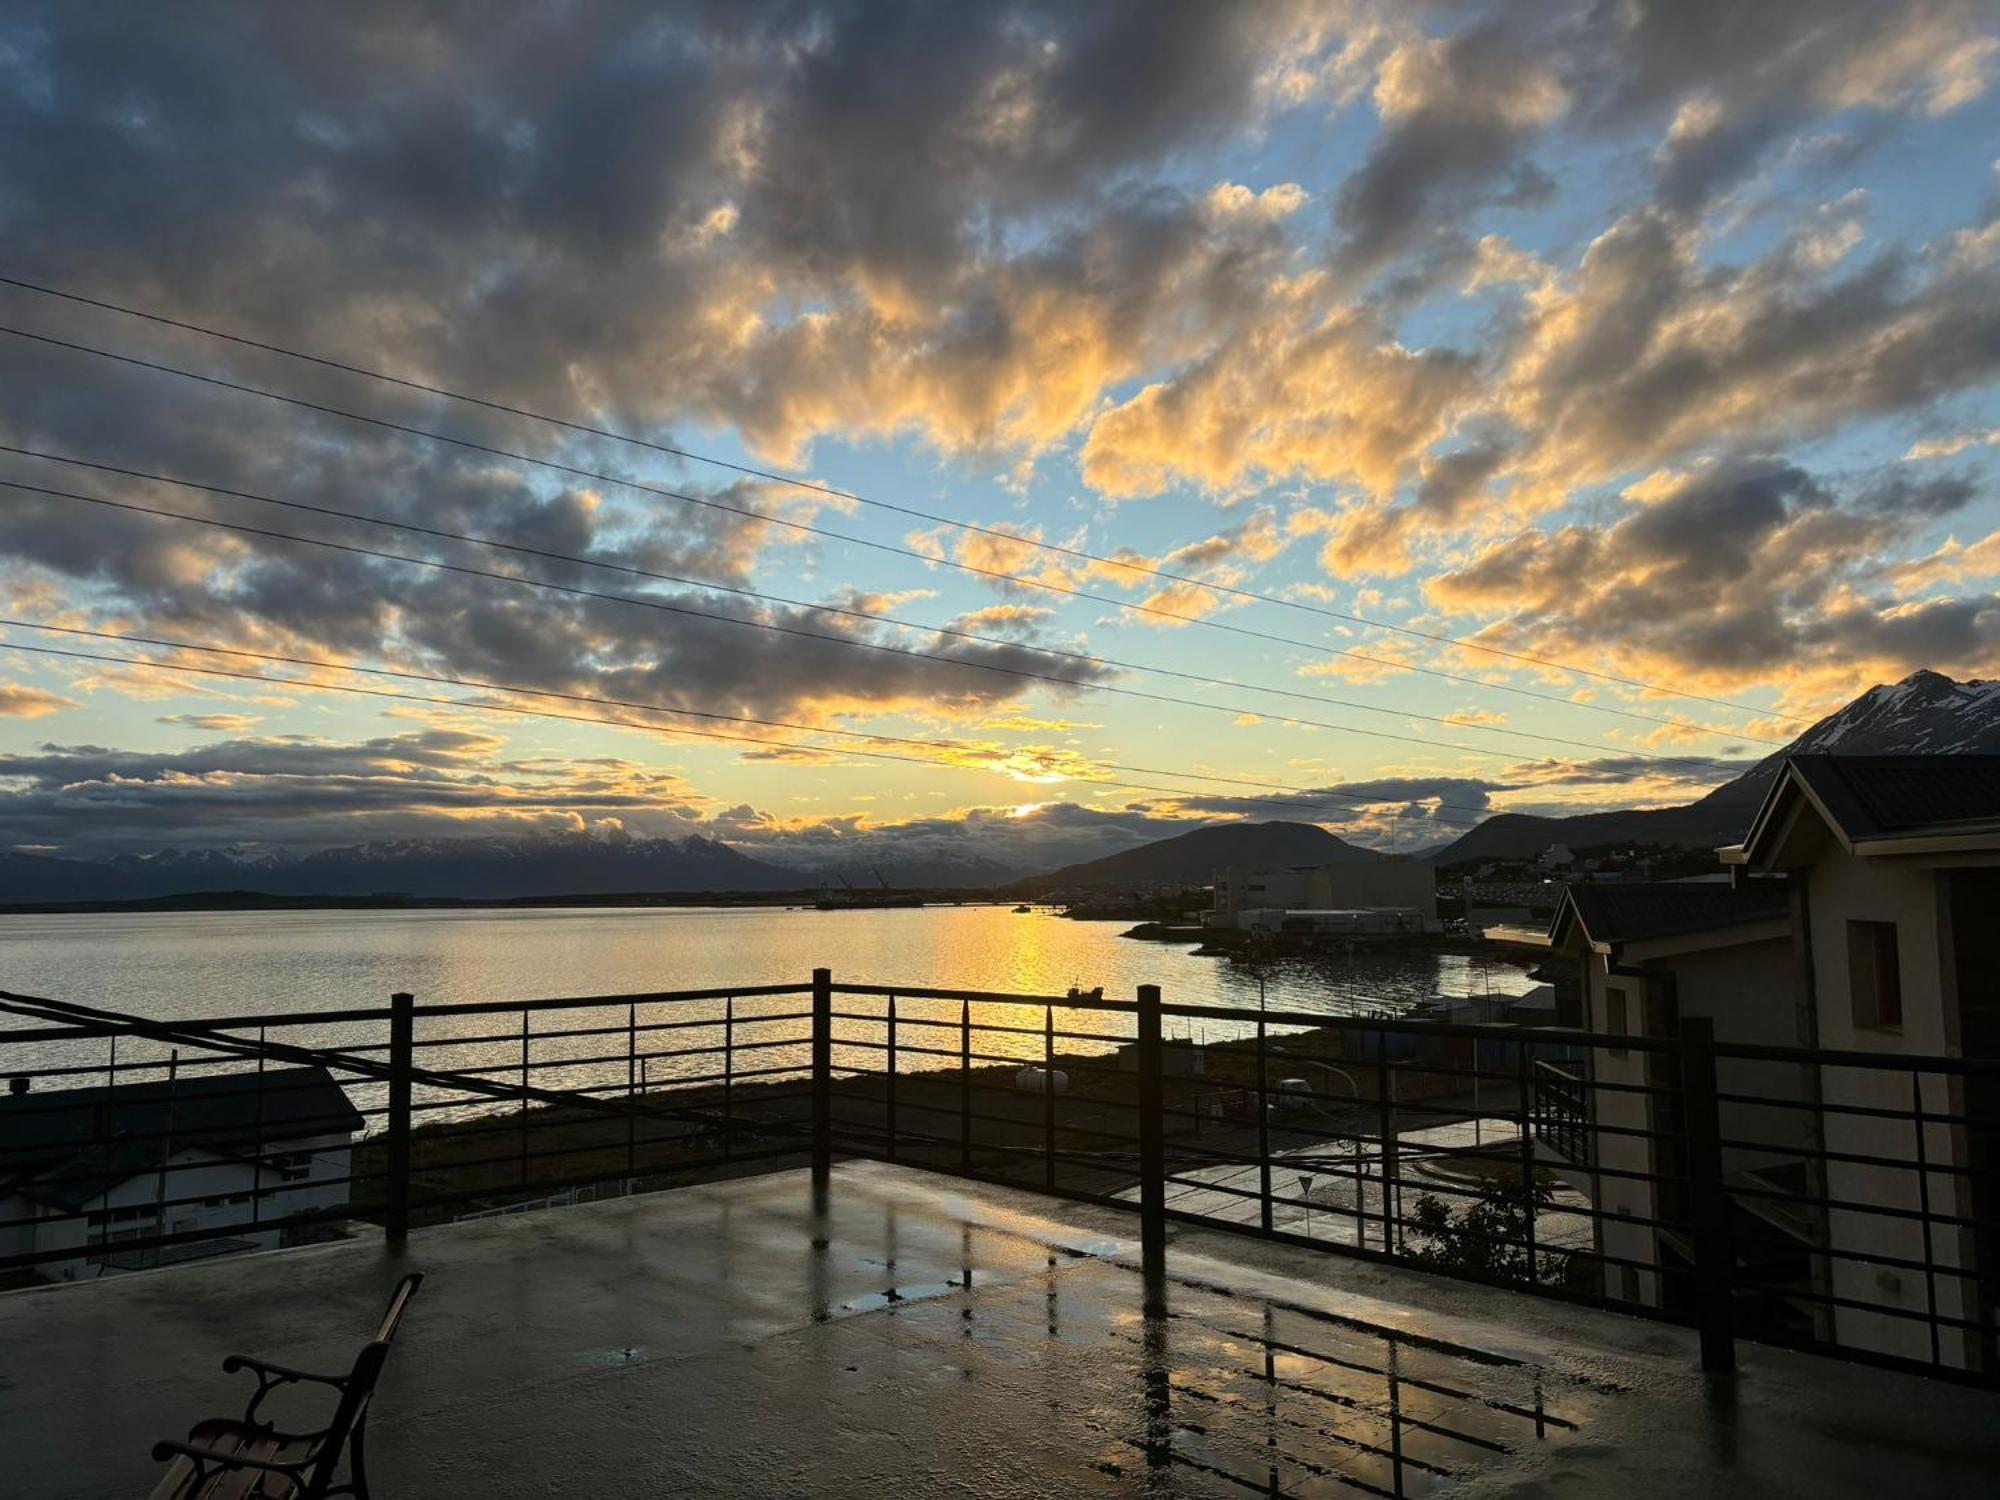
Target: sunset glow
(1377, 415)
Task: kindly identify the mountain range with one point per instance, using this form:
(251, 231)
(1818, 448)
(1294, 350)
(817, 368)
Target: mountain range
(1924, 713)
(479, 868)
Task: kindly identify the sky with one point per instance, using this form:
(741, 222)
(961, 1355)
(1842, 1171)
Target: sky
(1537, 408)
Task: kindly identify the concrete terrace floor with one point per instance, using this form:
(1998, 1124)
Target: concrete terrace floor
(930, 1337)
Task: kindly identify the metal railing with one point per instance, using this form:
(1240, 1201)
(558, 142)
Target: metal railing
(1833, 1201)
(1562, 1113)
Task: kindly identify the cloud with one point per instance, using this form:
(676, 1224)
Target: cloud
(20, 700)
(1025, 238)
(1455, 110)
(1949, 447)
(1645, 353)
(222, 723)
(1296, 392)
(1747, 570)
(304, 791)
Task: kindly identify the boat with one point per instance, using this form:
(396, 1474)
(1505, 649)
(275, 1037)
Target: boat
(1022, 909)
(1096, 992)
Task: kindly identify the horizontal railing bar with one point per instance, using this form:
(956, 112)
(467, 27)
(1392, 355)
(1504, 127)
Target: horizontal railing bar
(1887, 1310)
(1848, 1205)
(1852, 1256)
(1832, 1057)
(1858, 1111)
(1850, 1158)
(584, 1002)
(983, 997)
(1531, 1036)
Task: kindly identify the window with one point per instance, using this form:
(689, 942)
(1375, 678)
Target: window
(1614, 1017)
(1874, 975)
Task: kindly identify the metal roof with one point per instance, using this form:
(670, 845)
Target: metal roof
(1872, 799)
(1874, 796)
(1634, 913)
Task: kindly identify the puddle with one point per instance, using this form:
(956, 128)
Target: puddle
(631, 1355)
(895, 1296)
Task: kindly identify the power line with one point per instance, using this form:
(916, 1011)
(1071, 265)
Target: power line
(1353, 799)
(999, 756)
(913, 512)
(889, 548)
(831, 609)
(663, 606)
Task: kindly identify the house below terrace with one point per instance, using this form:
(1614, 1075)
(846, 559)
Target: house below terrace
(195, 1154)
(1893, 865)
(1863, 917)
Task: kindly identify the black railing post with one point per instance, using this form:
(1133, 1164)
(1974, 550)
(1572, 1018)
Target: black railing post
(889, 1083)
(1263, 1127)
(729, 1077)
(402, 1050)
(1385, 1109)
(1708, 1204)
(631, 1096)
(965, 1087)
(1152, 1140)
(822, 1080)
(1049, 1097)
(1924, 1209)
(1524, 1075)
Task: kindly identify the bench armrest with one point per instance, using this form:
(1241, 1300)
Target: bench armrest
(270, 1376)
(277, 1372)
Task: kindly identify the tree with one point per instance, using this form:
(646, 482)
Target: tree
(1488, 1236)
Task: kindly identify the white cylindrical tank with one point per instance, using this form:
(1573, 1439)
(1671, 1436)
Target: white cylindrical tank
(1034, 1078)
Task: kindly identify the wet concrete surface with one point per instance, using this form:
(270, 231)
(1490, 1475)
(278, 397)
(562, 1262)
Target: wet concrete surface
(921, 1336)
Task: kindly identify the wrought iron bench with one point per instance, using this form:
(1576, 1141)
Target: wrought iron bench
(227, 1458)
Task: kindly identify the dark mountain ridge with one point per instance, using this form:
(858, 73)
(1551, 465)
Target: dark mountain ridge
(1192, 858)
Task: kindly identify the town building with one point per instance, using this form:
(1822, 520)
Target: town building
(1861, 921)
(1406, 887)
(1645, 956)
(1894, 867)
(90, 1169)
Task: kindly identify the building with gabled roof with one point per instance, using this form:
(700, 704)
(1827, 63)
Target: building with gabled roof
(1645, 957)
(192, 1153)
(1894, 862)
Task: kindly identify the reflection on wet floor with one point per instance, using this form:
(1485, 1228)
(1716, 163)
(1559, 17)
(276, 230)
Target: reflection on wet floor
(1227, 1393)
(1282, 1400)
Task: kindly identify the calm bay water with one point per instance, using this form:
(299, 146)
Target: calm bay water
(196, 964)
(191, 966)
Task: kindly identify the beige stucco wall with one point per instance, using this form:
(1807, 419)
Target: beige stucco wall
(1842, 887)
(1747, 989)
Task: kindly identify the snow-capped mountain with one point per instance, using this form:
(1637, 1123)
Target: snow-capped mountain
(1926, 713)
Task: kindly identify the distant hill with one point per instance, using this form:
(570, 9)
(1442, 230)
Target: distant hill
(1193, 858)
(1925, 713)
